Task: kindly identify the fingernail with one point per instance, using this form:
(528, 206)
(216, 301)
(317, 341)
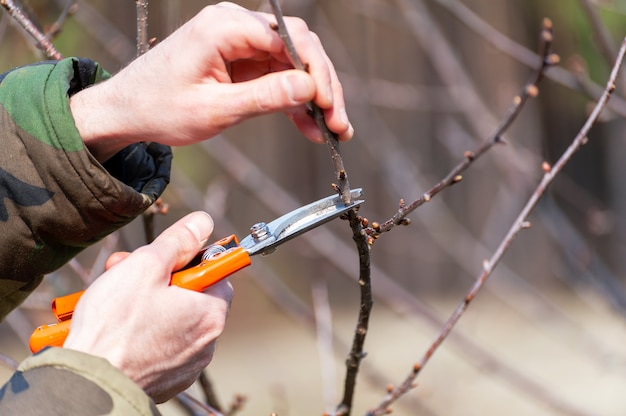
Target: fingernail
(350, 132)
(297, 87)
(329, 94)
(201, 226)
(344, 117)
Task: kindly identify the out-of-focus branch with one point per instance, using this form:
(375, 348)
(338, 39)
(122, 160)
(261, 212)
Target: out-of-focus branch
(520, 223)
(395, 296)
(195, 406)
(324, 338)
(8, 362)
(600, 32)
(55, 28)
(158, 208)
(42, 41)
(530, 90)
(522, 54)
(111, 39)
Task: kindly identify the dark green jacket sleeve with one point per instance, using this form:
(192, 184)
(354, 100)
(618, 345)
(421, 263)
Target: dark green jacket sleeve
(62, 382)
(55, 198)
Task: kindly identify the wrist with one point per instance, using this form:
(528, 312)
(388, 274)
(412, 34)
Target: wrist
(97, 118)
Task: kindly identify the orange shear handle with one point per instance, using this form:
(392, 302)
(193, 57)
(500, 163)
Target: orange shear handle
(197, 278)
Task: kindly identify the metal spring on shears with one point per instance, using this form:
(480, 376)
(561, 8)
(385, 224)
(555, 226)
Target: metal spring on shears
(213, 251)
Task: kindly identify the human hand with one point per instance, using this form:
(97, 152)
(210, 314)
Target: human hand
(223, 66)
(160, 336)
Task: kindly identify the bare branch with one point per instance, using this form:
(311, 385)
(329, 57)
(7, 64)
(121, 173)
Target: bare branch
(520, 223)
(358, 235)
(530, 91)
(334, 249)
(318, 115)
(68, 9)
(142, 27)
(42, 41)
(525, 56)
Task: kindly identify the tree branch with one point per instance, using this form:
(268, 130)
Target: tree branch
(142, 27)
(330, 138)
(520, 223)
(356, 224)
(530, 91)
(43, 42)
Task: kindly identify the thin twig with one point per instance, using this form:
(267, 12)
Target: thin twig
(159, 207)
(520, 223)
(356, 354)
(324, 338)
(317, 113)
(8, 362)
(523, 55)
(68, 9)
(600, 31)
(142, 27)
(530, 90)
(42, 41)
(209, 392)
(400, 300)
(196, 406)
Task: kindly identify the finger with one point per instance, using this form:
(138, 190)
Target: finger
(230, 5)
(309, 128)
(281, 91)
(115, 258)
(178, 244)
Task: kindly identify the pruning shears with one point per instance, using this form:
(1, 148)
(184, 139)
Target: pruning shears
(215, 262)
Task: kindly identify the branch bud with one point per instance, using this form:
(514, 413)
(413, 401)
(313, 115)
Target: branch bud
(553, 59)
(532, 90)
(545, 166)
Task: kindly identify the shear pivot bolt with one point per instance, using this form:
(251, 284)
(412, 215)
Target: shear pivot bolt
(259, 231)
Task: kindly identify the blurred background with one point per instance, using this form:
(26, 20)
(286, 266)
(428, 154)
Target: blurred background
(425, 81)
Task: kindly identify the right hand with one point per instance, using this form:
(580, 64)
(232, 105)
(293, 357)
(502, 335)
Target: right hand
(160, 336)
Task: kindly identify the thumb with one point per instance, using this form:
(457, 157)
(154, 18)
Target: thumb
(274, 92)
(181, 242)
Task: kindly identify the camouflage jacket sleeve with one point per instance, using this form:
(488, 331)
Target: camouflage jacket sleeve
(58, 381)
(55, 198)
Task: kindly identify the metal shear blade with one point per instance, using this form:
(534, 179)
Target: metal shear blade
(264, 238)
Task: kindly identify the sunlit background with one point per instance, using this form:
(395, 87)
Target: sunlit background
(425, 81)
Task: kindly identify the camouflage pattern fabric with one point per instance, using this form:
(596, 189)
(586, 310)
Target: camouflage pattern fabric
(55, 200)
(60, 382)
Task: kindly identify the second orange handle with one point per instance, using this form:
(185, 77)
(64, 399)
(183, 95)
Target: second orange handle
(197, 278)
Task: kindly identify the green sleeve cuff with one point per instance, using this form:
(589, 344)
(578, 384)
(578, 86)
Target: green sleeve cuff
(55, 198)
(63, 381)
